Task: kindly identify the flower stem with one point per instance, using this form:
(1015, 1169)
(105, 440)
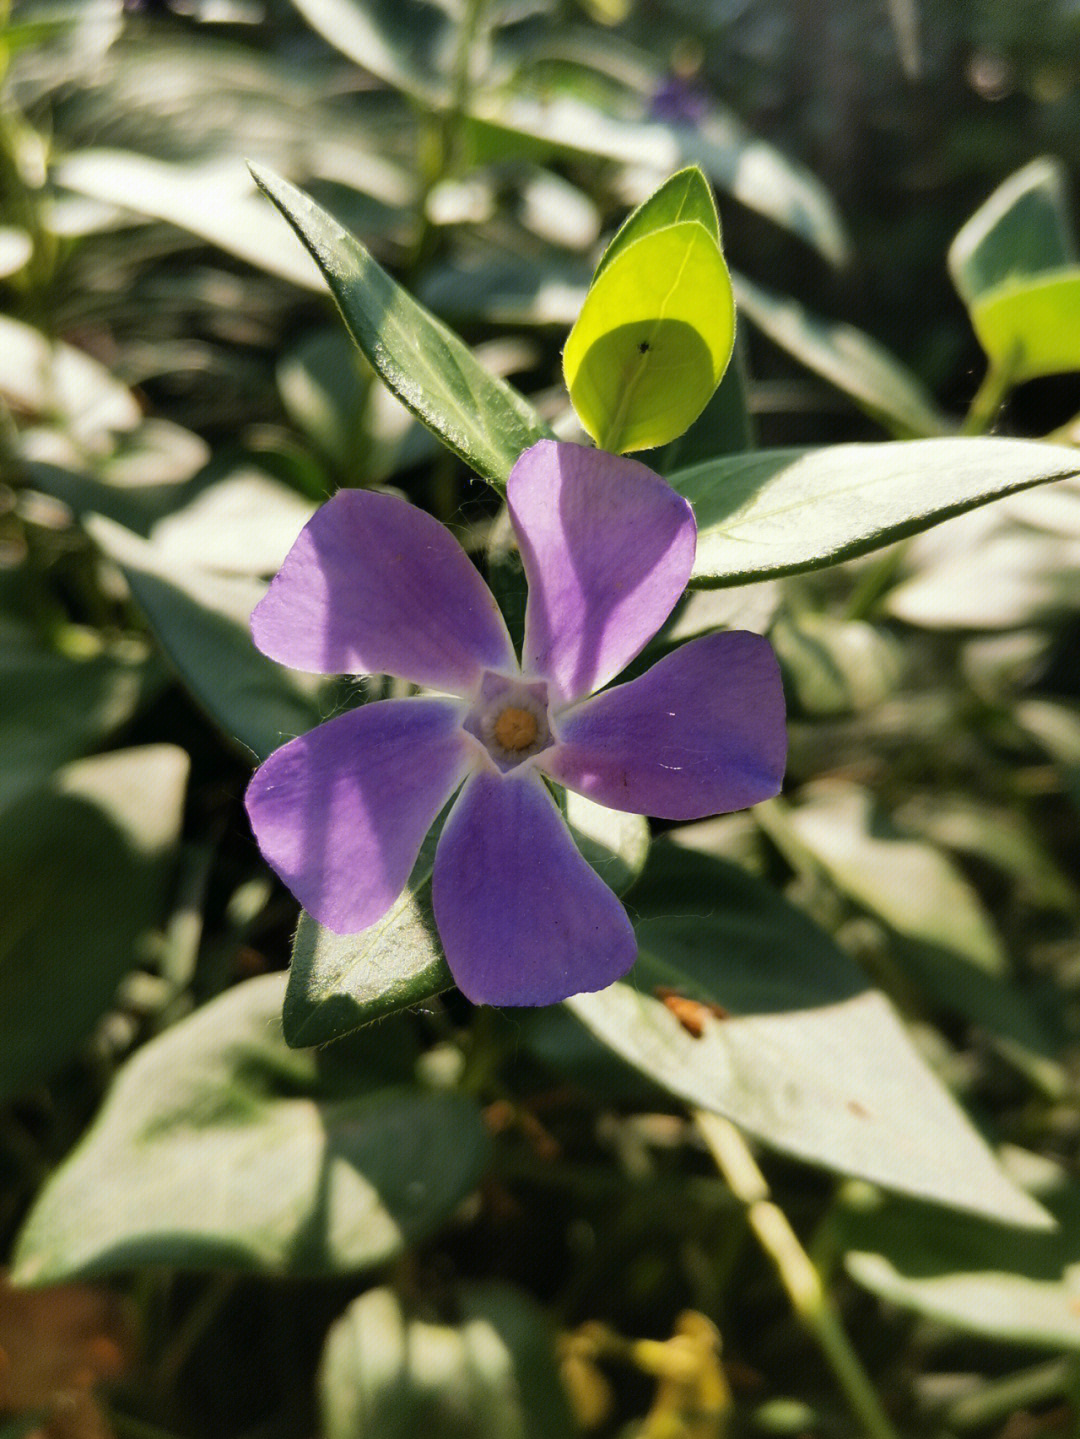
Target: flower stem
(999, 1398)
(990, 396)
(797, 1274)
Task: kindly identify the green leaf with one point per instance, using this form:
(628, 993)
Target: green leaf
(1023, 229)
(857, 365)
(57, 708)
(757, 174)
(1000, 836)
(991, 577)
(833, 666)
(406, 43)
(322, 383)
(1020, 1288)
(242, 524)
(386, 1376)
(724, 427)
(426, 365)
(49, 379)
(83, 875)
(1031, 327)
(653, 339)
(1055, 727)
(339, 982)
(803, 1055)
(687, 195)
(616, 844)
(219, 1148)
(16, 248)
(781, 511)
(213, 201)
(941, 933)
(201, 622)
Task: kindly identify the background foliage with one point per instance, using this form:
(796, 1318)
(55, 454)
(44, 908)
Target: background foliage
(541, 1223)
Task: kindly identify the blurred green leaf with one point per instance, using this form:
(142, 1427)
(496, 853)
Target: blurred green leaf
(219, 1148)
(1015, 1287)
(777, 512)
(322, 385)
(16, 247)
(428, 367)
(802, 1054)
(987, 577)
(653, 339)
(407, 43)
(1055, 726)
(857, 365)
(493, 1372)
(1023, 229)
(749, 168)
(213, 201)
(942, 934)
(200, 620)
(833, 666)
(1000, 836)
(51, 380)
(1031, 327)
(83, 876)
(243, 524)
(57, 707)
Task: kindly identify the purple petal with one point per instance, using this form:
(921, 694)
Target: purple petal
(702, 732)
(341, 812)
(522, 917)
(608, 547)
(375, 586)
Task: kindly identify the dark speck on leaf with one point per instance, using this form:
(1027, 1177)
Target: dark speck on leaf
(643, 347)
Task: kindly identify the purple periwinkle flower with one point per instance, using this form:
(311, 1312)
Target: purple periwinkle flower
(374, 585)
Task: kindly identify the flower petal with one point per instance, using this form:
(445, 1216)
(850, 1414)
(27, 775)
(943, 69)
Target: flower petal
(341, 812)
(701, 732)
(374, 585)
(608, 547)
(522, 917)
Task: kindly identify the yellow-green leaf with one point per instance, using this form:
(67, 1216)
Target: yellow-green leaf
(653, 339)
(1031, 327)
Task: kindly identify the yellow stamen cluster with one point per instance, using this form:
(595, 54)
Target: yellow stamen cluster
(515, 729)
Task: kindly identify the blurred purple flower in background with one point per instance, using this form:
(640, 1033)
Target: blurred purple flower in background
(374, 585)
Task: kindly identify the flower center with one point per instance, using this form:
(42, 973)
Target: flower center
(515, 729)
(510, 719)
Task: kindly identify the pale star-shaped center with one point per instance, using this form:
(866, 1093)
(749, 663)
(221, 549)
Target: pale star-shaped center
(510, 719)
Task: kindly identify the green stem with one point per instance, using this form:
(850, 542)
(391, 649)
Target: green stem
(797, 1274)
(441, 134)
(999, 1398)
(192, 1327)
(990, 396)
